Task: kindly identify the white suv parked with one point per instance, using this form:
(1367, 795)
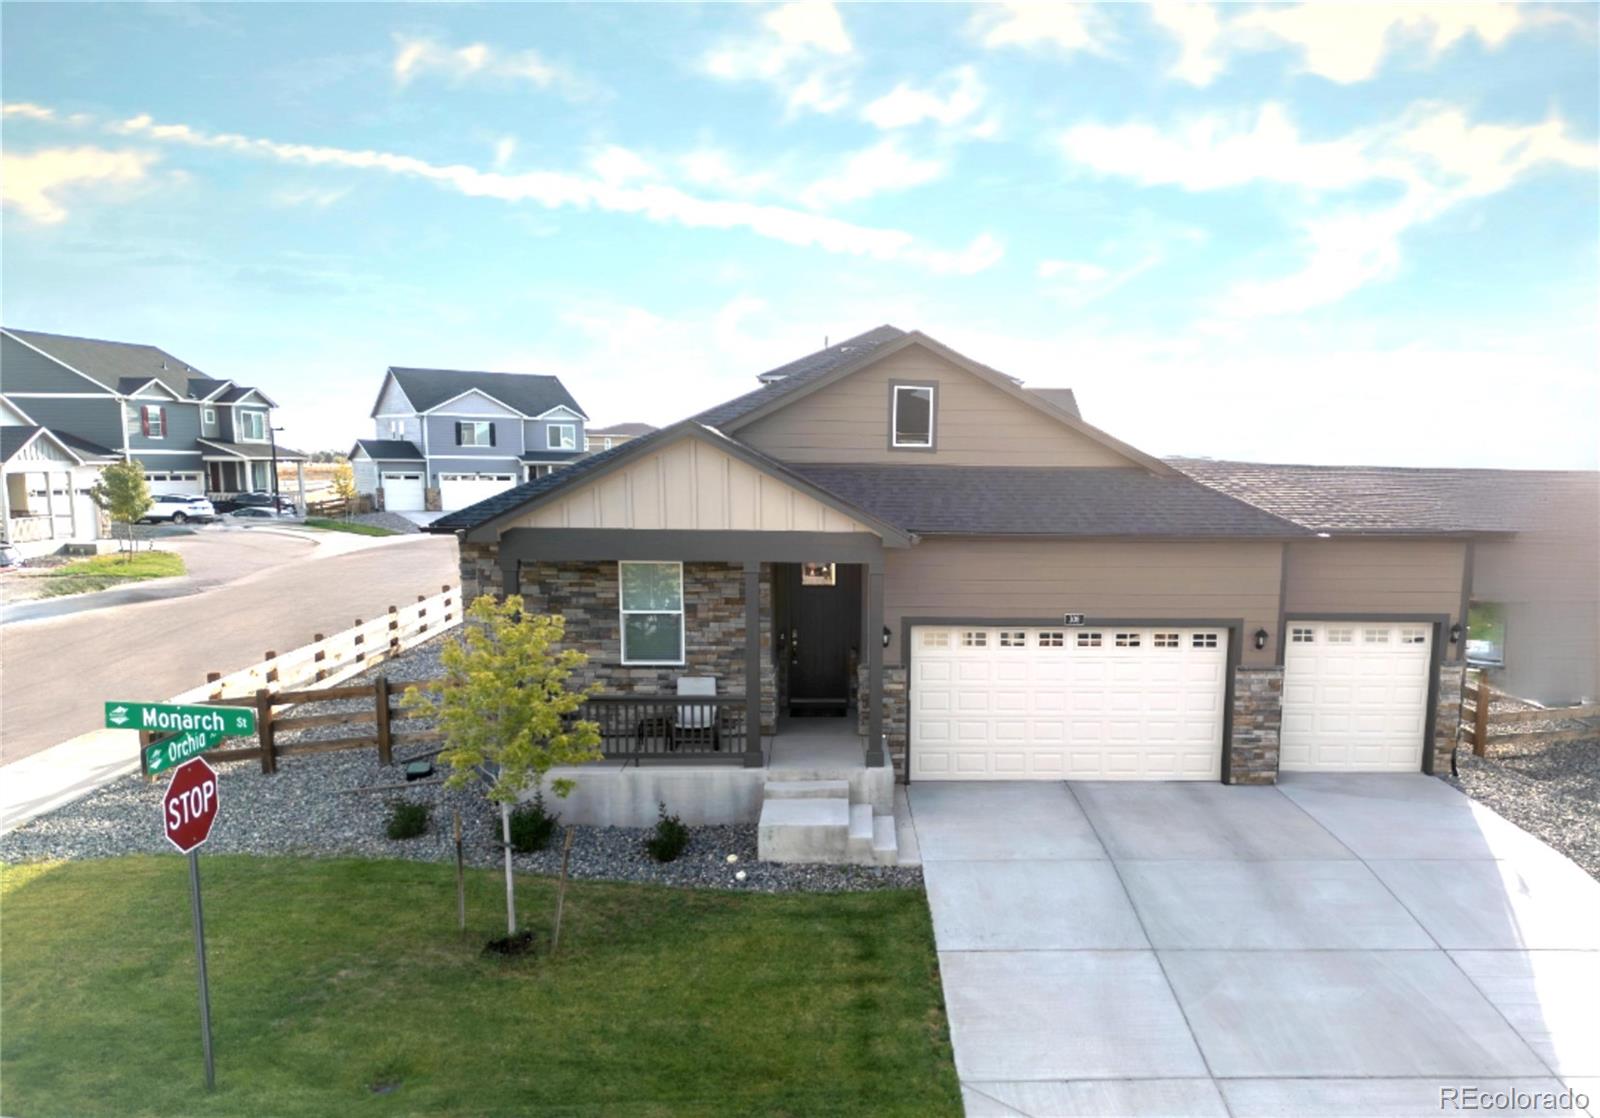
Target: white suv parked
(179, 508)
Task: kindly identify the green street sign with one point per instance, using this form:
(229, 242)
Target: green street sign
(176, 750)
(174, 718)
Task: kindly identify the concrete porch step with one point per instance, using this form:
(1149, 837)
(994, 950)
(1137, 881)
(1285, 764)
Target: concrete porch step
(803, 830)
(808, 790)
(872, 839)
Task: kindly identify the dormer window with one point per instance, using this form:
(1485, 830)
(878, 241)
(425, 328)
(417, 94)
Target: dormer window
(911, 416)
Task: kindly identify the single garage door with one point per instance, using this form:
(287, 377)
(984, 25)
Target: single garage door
(180, 481)
(1120, 703)
(1355, 696)
(457, 491)
(402, 492)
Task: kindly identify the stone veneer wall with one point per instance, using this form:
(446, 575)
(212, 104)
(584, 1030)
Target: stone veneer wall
(1257, 720)
(896, 713)
(480, 570)
(586, 595)
(1447, 714)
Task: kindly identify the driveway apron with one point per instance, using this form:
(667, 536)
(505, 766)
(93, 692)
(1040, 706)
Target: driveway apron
(1342, 944)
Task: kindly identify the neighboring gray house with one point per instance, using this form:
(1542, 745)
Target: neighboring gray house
(103, 401)
(447, 438)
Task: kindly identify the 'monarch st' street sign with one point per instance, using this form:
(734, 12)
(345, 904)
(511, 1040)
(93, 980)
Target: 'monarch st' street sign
(175, 718)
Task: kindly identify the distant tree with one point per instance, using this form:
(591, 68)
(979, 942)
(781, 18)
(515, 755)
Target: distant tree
(504, 708)
(125, 495)
(344, 486)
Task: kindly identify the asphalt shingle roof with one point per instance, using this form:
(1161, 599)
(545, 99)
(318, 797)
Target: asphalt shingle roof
(1401, 500)
(391, 450)
(13, 439)
(1042, 501)
(1063, 398)
(256, 451)
(622, 429)
(796, 374)
(529, 393)
(109, 363)
(84, 448)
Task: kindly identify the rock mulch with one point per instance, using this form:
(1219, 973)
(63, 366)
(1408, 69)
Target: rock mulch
(337, 804)
(390, 520)
(1551, 791)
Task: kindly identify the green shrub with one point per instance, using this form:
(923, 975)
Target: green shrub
(670, 838)
(407, 820)
(532, 826)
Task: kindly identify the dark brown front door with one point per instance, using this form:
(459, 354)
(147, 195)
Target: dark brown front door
(824, 628)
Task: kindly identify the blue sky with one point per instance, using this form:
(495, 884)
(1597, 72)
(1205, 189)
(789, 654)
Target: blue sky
(1289, 233)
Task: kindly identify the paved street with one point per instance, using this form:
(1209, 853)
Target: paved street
(57, 670)
(1337, 945)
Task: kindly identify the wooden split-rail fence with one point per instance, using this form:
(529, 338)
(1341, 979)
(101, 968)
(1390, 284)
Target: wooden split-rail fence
(1483, 727)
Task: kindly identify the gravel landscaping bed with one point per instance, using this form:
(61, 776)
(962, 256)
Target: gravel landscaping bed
(1551, 791)
(390, 520)
(321, 805)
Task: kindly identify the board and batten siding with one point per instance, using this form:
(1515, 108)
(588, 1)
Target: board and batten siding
(690, 485)
(1044, 579)
(976, 423)
(1396, 577)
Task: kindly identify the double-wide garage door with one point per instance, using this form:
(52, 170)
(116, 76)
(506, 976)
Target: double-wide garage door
(1116, 703)
(457, 491)
(1355, 696)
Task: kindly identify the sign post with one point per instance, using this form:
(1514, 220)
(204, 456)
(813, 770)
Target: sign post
(188, 811)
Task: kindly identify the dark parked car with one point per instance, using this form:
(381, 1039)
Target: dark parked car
(254, 501)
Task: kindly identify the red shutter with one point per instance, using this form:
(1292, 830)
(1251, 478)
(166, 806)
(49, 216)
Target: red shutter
(144, 420)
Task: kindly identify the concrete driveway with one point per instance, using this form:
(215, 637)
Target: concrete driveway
(1335, 945)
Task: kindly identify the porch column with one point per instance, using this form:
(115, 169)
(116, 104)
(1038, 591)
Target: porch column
(50, 501)
(752, 664)
(874, 638)
(72, 502)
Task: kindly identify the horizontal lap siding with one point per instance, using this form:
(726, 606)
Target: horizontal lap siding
(1047, 578)
(977, 424)
(1400, 577)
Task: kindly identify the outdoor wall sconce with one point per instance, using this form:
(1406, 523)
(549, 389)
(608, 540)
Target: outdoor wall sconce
(886, 636)
(1455, 633)
(1261, 639)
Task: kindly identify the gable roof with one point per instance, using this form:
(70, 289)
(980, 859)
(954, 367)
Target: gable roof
(1051, 501)
(110, 363)
(1401, 500)
(631, 429)
(521, 498)
(14, 440)
(529, 393)
(85, 449)
(818, 370)
(389, 450)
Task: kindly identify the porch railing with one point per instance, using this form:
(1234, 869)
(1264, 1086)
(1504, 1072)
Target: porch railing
(669, 727)
(29, 529)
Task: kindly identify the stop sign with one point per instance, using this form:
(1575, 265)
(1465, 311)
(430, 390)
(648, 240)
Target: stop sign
(189, 807)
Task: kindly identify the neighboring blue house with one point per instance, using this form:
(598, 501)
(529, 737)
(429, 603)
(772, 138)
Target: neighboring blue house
(446, 439)
(100, 401)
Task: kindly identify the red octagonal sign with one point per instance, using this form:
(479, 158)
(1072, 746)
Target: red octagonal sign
(190, 806)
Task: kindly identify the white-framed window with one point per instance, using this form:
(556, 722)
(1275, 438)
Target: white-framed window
(1127, 640)
(1089, 640)
(911, 418)
(474, 432)
(1341, 636)
(397, 428)
(1013, 638)
(650, 598)
(935, 638)
(1302, 636)
(154, 421)
(974, 638)
(1205, 640)
(562, 436)
(1413, 636)
(208, 416)
(1165, 640)
(1375, 636)
(1052, 638)
(253, 426)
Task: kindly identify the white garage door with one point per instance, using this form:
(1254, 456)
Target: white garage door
(1126, 703)
(402, 492)
(457, 491)
(1355, 696)
(164, 481)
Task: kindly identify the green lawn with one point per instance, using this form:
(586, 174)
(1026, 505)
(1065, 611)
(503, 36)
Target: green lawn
(356, 526)
(331, 976)
(104, 571)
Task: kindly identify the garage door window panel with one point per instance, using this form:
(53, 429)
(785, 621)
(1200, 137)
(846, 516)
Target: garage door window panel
(652, 612)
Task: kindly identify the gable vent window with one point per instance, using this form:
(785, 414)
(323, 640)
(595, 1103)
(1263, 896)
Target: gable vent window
(1413, 636)
(1089, 640)
(974, 638)
(1165, 640)
(911, 416)
(1205, 640)
(1375, 636)
(474, 432)
(1302, 636)
(1127, 640)
(1052, 638)
(1341, 636)
(1013, 638)
(936, 639)
(397, 428)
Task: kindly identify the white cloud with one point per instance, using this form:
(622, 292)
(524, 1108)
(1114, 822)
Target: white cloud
(417, 57)
(716, 169)
(883, 168)
(504, 149)
(34, 183)
(1198, 30)
(906, 105)
(628, 191)
(319, 198)
(803, 51)
(24, 110)
(1060, 26)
